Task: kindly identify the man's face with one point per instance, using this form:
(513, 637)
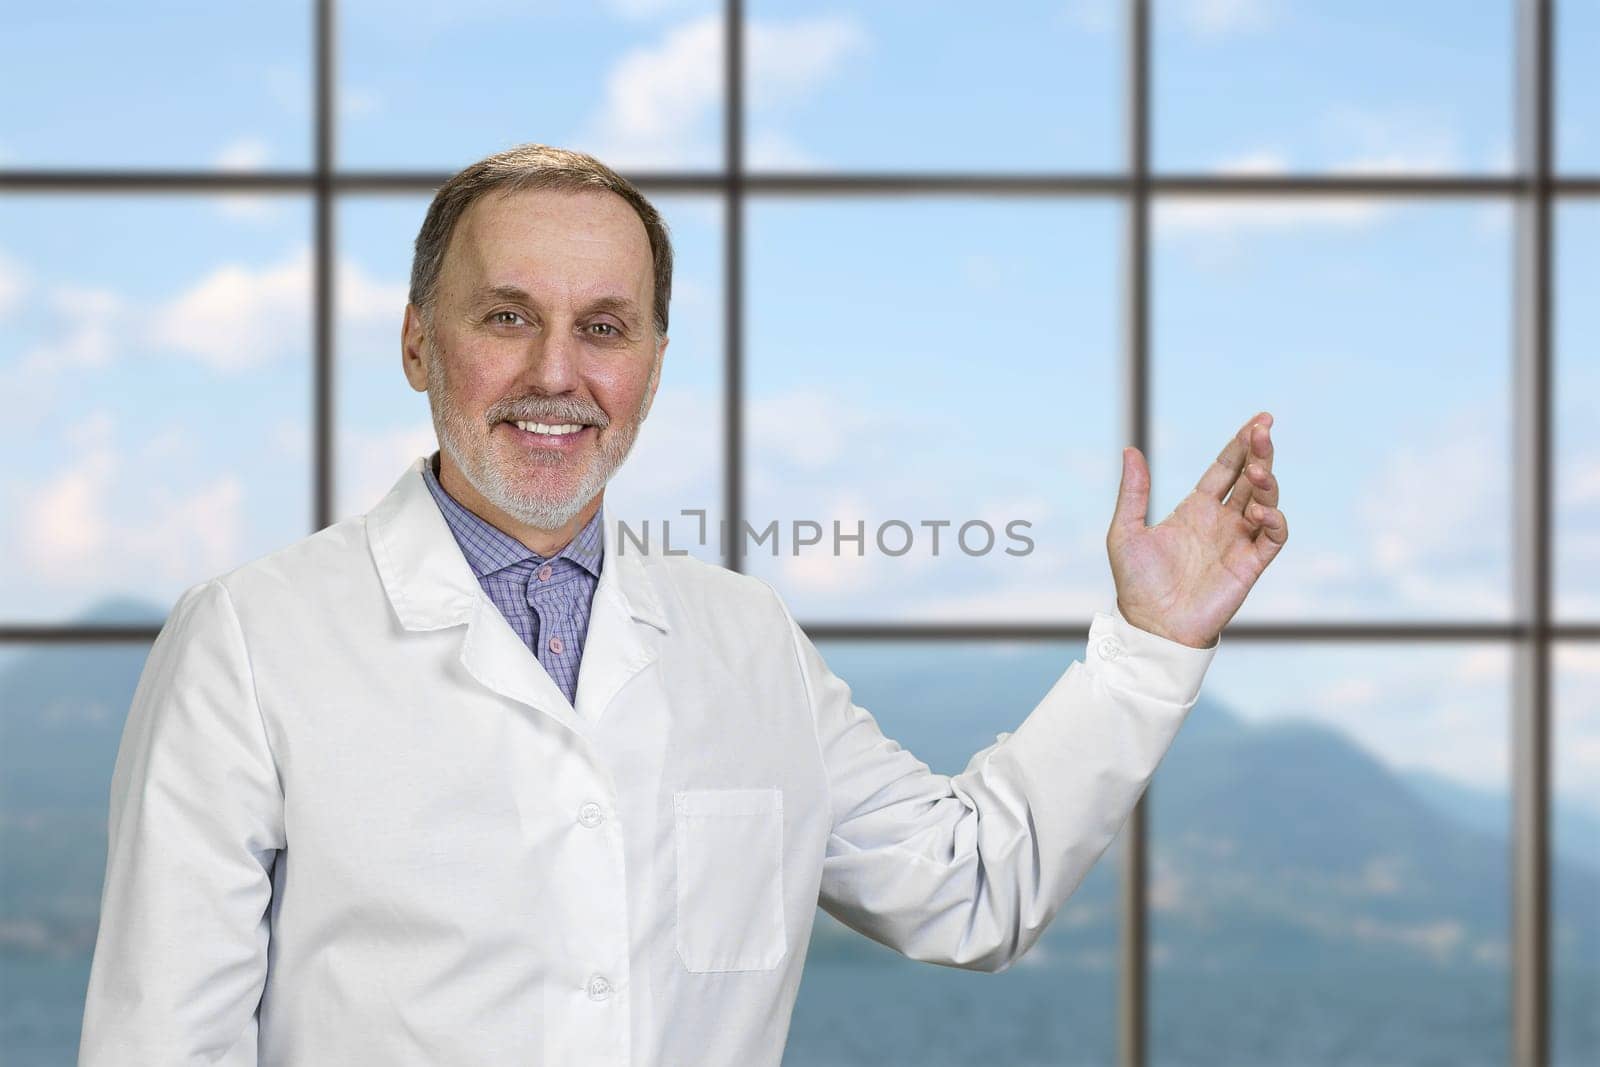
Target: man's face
(542, 316)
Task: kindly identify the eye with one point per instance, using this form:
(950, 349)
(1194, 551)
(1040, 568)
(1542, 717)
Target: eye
(610, 330)
(494, 316)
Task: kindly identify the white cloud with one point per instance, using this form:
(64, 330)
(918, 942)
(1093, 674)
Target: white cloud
(1432, 517)
(1090, 16)
(358, 103)
(822, 573)
(768, 149)
(1487, 665)
(1225, 18)
(826, 455)
(661, 100)
(1580, 484)
(807, 428)
(1406, 140)
(1266, 161)
(242, 154)
(1176, 216)
(1026, 599)
(674, 462)
(64, 529)
(1348, 692)
(1493, 220)
(370, 311)
(291, 439)
(1426, 537)
(95, 319)
(13, 284)
(1439, 709)
(1575, 750)
(364, 299)
(371, 461)
(65, 535)
(1213, 215)
(237, 318)
(645, 9)
(788, 61)
(201, 531)
(658, 99)
(675, 465)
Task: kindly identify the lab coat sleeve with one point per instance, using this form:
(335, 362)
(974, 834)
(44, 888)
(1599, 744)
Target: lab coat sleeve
(196, 821)
(968, 870)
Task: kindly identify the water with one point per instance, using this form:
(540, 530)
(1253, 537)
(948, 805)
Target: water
(41, 1009)
(880, 1013)
(914, 1013)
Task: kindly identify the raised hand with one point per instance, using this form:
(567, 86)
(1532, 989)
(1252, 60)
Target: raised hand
(1186, 577)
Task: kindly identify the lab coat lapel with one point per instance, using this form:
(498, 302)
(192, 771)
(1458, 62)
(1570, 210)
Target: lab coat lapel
(496, 656)
(626, 622)
(431, 586)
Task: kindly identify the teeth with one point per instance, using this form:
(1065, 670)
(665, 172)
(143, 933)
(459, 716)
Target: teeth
(548, 428)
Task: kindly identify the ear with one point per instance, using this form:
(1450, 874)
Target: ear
(414, 349)
(655, 379)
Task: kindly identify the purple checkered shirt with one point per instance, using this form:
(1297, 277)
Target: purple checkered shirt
(545, 601)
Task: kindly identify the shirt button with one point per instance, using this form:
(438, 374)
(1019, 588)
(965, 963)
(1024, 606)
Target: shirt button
(1110, 648)
(545, 572)
(591, 815)
(556, 646)
(599, 988)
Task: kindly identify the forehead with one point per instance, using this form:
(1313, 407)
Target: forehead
(552, 242)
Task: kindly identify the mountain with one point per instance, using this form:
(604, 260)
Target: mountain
(1575, 833)
(1276, 845)
(1280, 844)
(61, 713)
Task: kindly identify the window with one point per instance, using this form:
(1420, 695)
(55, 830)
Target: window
(930, 264)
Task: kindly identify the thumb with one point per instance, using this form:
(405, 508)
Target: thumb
(1133, 496)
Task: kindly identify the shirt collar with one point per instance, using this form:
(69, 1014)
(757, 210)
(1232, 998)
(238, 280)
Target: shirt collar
(489, 548)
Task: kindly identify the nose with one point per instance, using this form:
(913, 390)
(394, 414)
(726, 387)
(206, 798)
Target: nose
(553, 364)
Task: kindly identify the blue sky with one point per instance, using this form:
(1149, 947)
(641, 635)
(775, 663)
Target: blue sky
(918, 358)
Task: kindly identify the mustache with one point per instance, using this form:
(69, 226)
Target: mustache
(548, 409)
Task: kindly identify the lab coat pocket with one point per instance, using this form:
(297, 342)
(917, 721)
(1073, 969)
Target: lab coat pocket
(730, 879)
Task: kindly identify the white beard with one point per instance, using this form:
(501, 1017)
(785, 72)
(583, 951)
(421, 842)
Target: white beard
(465, 440)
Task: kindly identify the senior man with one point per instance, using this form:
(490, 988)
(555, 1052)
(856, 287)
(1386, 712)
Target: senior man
(464, 780)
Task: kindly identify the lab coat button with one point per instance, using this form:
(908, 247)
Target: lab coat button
(591, 815)
(599, 988)
(1110, 648)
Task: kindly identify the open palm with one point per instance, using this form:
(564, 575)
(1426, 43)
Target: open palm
(1184, 578)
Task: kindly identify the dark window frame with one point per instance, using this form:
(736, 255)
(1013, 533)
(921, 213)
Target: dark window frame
(1534, 190)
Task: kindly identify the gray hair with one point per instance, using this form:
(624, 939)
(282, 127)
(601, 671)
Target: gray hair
(526, 167)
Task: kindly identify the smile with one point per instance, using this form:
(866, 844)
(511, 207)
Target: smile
(549, 436)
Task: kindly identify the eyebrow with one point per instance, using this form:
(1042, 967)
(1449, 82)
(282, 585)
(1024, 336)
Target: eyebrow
(618, 304)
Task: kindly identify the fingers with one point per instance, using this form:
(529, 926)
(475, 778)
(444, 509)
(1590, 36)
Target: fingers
(1271, 529)
(1133, 496)
(1256, 481)
(1222, 473)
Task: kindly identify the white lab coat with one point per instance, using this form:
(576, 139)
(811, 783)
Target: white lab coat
(353, 821)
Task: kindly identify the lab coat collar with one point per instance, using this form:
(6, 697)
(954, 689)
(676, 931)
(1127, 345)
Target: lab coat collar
(431, 586)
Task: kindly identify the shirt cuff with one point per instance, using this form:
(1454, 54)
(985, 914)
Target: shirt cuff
(1128, 658)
